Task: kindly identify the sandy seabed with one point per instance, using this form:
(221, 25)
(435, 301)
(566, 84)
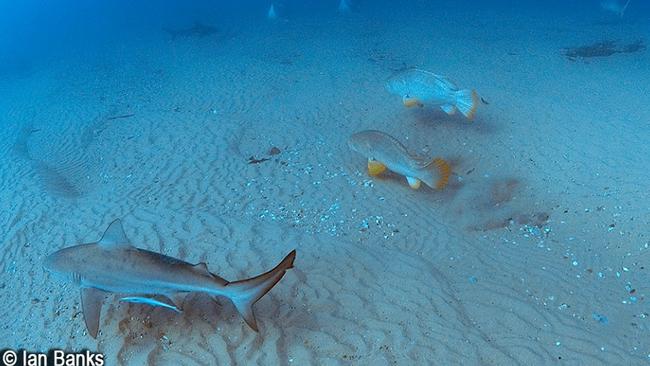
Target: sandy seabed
(536, 253)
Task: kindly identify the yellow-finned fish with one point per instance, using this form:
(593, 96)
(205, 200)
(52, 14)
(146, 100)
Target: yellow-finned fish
(385, 152)
(419, 87)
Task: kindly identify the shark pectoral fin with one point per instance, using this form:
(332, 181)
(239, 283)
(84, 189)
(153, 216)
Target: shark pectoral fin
(158, 300)
(448, 108)
(91, 305)
(414, 182)
(177, 298)
(114, 237)
(411, 102)
(375, 168)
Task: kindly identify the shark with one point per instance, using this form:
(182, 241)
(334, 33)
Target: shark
(615, 6)
(197, 30)
(114, 265)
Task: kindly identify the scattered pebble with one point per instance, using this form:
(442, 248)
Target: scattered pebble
(602, 319)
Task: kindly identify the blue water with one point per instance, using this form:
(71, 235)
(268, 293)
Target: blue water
(32, 30)
(220, 136)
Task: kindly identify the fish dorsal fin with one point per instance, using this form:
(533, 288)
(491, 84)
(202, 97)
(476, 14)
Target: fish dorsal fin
(91, 304)
(419, 162)
(201, 268)
(114, 237)
(445, 82)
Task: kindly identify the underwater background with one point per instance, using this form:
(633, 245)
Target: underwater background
(219, 133)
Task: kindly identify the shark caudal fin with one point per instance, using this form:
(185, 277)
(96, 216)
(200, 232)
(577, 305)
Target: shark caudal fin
(467, 101)
(437, 173)
(245, 293)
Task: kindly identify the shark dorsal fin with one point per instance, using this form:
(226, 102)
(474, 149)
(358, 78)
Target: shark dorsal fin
(114, 236)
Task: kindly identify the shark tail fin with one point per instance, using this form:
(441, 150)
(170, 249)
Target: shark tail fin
(467, 101)
(245, 293)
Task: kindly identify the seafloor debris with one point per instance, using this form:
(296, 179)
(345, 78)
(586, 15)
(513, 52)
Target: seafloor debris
(533, 223)
(602, 319)
(272, 152)
(386, 59)
(502, 191)
(254, 160)
(603, 49)
(197, 30)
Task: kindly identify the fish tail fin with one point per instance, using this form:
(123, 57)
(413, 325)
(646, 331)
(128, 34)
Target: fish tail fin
(467, 101)
(438, 173)
(245, 293)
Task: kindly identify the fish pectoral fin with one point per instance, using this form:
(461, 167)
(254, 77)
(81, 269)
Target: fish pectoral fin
(91, 305)
(414, 182)
(448, 108)
(375, 168)
(158, 300)
(411, 102)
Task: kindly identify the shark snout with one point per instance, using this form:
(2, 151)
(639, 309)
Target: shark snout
(54, 263)
(49, 263)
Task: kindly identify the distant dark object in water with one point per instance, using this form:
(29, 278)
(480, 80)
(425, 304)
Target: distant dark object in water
(197, 30)
(602, 49)
(614, 6)
(484, 101)
(502, 191)
(386, 59)
(54, 179)
(272, 151)
(20, 146)
(253, 160)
